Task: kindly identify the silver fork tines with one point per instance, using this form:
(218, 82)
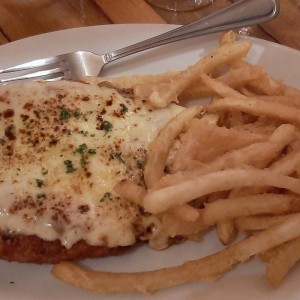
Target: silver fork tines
(79, 64)
(46, 69)
(32, 64)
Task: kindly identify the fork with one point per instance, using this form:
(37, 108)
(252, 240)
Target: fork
(76, 65)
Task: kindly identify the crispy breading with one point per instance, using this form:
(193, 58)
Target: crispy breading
(30, 248)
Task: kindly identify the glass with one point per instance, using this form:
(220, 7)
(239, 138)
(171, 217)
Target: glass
(180, 5)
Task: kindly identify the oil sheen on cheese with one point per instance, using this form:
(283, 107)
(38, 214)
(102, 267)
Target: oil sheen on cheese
(63, 146)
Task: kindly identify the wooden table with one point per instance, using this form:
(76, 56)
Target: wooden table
(24, 18)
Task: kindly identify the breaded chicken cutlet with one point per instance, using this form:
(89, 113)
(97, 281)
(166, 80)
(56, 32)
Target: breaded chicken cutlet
(63, 147)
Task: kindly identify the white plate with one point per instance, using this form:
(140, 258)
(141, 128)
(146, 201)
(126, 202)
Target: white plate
(25, 281)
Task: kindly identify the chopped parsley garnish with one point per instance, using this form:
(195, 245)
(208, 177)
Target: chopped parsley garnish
(39, 183)
(69, 166)
(118, 156)
(65, 114)
(41, 196)
(44, 171)
(91, 151)
(84, 133)
(124, 108)
(107, 126)
(84, 152)
(81, 149)
(106, 196)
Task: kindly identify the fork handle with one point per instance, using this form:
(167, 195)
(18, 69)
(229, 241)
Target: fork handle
(240, 14)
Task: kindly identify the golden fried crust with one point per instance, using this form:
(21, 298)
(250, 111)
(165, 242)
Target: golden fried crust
(23, 248)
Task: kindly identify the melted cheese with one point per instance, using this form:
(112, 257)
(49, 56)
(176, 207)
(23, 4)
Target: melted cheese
(63, 146)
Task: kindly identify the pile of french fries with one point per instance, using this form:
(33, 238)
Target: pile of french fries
(232, 166)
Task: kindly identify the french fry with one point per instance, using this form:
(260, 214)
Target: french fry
(261, 204)
(234, 78)
(227, 37)
(176, 226)
(162, 94)
(257, 223)
(226, 231)
(204, 269)
(290, 91)
(284, 258)
(189, 146)
(286, 100)
(181, 193)
(258, 107)
(265, 85)
(287, 164)
(131, 191)
(257, 154)
(212, 141)
(159, 148)
(186, 212)
(133, 80)
(219, 87)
